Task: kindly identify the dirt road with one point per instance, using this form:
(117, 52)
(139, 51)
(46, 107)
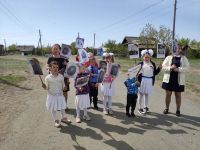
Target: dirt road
(33, 129)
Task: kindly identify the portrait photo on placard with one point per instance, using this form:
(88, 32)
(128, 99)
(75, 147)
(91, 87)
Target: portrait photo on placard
(35, 66)
(71, 70)
(102, 64)
(114, 70)
(160, 51)
(82, 81)
(100, 76)
(79, 43)
(65, 51)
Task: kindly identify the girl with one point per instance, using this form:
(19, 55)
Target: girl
(147, 79)
(62, 62)
(107, 86)
(54, 83)
(82, 96)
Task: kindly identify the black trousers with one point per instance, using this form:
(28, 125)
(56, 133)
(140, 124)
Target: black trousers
(93, 94)
(131, 102)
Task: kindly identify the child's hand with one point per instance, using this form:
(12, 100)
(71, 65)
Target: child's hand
(65, 88)
(137, 83)
(44, 86)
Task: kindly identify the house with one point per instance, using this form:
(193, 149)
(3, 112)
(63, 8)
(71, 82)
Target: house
(136, 40)
(25, 49)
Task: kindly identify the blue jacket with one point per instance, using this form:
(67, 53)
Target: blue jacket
(132, 88)
(94, 70)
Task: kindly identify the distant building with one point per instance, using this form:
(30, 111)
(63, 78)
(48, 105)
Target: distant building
(2, 51)
(25, 49)
(136, 40)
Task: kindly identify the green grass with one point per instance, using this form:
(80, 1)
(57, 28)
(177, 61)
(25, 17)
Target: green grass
(13, 64)
(11, 79)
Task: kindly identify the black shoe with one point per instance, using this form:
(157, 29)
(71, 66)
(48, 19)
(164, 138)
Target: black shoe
(133, 115)
(96, 108)
(178, 114)
(127, 114)
(140, 111)
(166, 111)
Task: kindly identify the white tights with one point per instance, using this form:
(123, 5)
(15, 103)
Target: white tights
(78, 111)
(143, 100)
(107, 102)
(53, 113)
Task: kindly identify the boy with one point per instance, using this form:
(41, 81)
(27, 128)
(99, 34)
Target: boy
(132, 90)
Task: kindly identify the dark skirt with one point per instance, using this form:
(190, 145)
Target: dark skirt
(173, 84)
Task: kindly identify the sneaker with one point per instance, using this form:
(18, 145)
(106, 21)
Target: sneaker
(57, 124)
(87, 118)
(105, 112)
(178, 114)
(110, 112)
(166, 111)
(128, 115)
(78, 120)
(65, 120)
(140, 111)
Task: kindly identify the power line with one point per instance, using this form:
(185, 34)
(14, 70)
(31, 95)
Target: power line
(132, 15)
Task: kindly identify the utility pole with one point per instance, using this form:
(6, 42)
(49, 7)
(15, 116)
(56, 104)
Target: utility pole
(5, 49)
(39, 42)
(94, 40)
(78, 34)
(174, 21)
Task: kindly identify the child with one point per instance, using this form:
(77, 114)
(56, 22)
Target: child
(132, 90)
(54, 83)
(93, 85)
(146, 79)
(62, 62)
(82, 96)
(107, 86)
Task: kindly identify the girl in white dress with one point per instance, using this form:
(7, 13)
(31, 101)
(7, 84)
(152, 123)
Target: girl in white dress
(82, 100)
(147, 79)
(54, 83)
(107, 86)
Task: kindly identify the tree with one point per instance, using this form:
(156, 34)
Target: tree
(164, 35)
(12, 48)
(111, 46)
(149, 35)
(183, 42)
(73, 47)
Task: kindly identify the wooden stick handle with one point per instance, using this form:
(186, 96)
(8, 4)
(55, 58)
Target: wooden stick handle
(41, 79)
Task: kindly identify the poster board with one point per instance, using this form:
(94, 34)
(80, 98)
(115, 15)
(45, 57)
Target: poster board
(133, 51)
(35, 66)
(160, 51)
(114, 70)
(71, 70)
(82, 81)
(83, 55)
(79, 43)
(134, 71)
(65, 51)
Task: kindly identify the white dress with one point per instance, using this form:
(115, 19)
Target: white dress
(146, 86)
(55, 99)
(82, 101)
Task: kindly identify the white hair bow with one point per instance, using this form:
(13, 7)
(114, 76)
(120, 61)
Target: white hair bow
(147, 51)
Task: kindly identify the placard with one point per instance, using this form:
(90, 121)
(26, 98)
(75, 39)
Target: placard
(79, 43)
(160, 51)
(35, 65)
(83, 55)
(133, 51)
(82, 81)
(71, 70)
(65, 51)
(134, 71)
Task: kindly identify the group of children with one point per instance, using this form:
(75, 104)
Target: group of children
(57, 85)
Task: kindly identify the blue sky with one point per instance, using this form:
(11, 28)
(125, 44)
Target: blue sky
(61, 20)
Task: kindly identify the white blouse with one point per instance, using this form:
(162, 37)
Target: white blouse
(55, 84)
(147, 69)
